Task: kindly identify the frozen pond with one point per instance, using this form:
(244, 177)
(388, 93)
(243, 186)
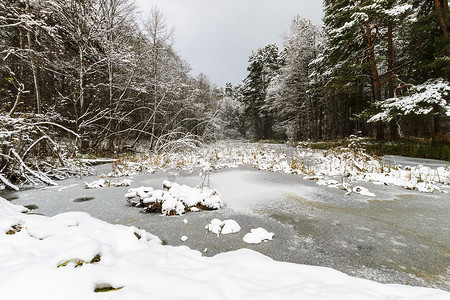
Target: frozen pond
(399, 236)
(411, 161)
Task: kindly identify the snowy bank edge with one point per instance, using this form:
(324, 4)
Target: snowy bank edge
(129, 257)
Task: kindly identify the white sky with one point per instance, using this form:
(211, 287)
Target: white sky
(216, 37)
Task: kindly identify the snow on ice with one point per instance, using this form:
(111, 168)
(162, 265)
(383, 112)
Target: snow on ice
(107, 183)
(70, 255)
(363, 191)
(224, 227)
(258, 235)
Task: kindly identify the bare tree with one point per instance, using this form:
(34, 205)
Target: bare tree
(160, 43)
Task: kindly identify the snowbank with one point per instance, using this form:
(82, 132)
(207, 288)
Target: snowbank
(174, 199)
(72, 255)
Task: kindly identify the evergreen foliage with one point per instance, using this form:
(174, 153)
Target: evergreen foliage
(369, 54)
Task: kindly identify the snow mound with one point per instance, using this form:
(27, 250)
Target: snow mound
(174, 199)
(107, 183)
(230, 226)
(256, 236)
(80, 254)
(215, 226)
(7, 208)
(224, 227)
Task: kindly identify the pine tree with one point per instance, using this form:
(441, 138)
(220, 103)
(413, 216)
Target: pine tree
(263, 67)
(430, 40)
(357, 33)
(292, 99)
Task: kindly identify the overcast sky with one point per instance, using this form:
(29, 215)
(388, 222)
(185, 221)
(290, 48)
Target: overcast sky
(216, 37)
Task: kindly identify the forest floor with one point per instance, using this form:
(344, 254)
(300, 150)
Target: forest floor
(337, 219)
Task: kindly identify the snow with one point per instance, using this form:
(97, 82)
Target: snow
(215, 226)
(398, 10)
(230, 226)
(69, 255)
(422, 100)
(174, 199)
(258, 235)
(184, 238)
(224, 227)
(363, 191)
(357, 166)
(107, 183)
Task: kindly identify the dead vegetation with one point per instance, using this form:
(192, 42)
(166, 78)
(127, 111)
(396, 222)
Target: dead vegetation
(36, 151)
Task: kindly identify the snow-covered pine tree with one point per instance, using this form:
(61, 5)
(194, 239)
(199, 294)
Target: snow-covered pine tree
(264, 64)
(291, 96)
(358, 35)
(429, 42)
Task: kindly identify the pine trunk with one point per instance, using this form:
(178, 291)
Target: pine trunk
(441, 7)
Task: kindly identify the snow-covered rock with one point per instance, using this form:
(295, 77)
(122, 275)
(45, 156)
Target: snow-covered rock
(215, 226)
(107, 183)
(256, 236)
(174, 199)
(224, 227)
(96, 184)
(230, 226)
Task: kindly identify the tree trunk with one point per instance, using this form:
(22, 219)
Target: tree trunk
(390, 59)
(441, 7)
(376, 84)
(33, 66)
(81, 83)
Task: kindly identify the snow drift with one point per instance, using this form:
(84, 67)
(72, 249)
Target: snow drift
(75, 256)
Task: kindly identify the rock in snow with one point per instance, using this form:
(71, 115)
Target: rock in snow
(258, 235)
(230, 226)
(225, 227)
(69, 256)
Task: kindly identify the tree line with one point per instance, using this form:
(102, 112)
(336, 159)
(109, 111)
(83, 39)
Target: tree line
(92, 67)
(377, 68)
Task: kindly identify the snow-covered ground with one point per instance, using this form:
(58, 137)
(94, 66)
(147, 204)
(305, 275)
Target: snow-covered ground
(94, 254)
(73, 255)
